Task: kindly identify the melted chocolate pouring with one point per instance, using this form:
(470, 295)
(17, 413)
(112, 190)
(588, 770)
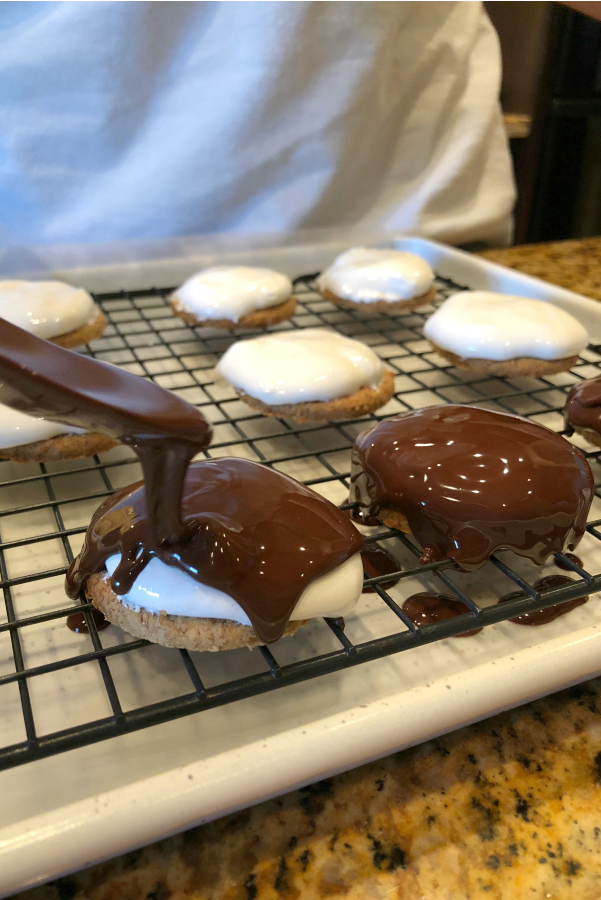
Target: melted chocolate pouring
(41, 379)
(575, 559)
(544, 616)
(377, 561)
(426, 608)
(471, 481)
(253, 533)
(583, 406)
(77, 622)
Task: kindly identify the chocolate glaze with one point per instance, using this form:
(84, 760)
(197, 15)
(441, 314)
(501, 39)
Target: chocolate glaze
(471, 481)
(41, 379)
(377, 561)
(253, 533)
(575, 559)
(77, 622)
(544, 616)
(369, 521)
(583, 406)
(426, 608)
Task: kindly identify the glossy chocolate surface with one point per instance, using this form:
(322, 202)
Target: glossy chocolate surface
(544, 616)
(583, 406)
(471, 481)
(571, 556)
(253, 533)
(377, 561)
(426, 608)
(42, 379)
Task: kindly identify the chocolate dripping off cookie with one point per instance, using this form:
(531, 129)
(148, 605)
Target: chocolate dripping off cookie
(252, 533)
(582, 411)
(255, 534)
(467, 481)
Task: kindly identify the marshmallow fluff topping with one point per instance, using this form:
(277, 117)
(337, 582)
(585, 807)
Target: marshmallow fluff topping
(486, 325)
(369, 276)
(300, 366)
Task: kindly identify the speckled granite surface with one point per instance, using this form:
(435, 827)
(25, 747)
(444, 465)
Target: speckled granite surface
(507, 809)
(571, 264)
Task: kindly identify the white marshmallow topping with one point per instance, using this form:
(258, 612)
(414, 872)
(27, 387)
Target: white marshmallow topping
(300, 366)
(162, 588)
(487, 325)
(367, 276)
(231, 292)
(46, 308)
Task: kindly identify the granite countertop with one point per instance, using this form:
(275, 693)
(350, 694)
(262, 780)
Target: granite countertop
(506, 809)
(575, 265)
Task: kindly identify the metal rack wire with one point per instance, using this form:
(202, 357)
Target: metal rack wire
(145, 337)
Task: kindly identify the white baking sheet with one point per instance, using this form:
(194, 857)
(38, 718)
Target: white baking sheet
(66, 812)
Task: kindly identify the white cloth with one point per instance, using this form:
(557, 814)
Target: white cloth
(146, 120)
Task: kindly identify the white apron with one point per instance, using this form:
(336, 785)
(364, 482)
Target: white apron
(127, 120)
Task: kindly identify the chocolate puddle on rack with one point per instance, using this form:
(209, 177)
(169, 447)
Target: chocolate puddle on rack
(377, 561)
(425, 608)
(550, 613)
(573, 558)
(78, 623)
(246, 530)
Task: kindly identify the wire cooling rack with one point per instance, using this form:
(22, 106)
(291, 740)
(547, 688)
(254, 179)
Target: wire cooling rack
(44, 511)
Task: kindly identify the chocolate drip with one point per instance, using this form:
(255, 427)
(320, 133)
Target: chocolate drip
(358, 517)
(253, 533)
(562, 565)
(377, 561)
(583, 406)
(41, 379)
(77, 622)
(426, 608)
(544, 616)
(471, 481)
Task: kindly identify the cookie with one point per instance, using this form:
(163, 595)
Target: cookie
(512, 368)
(233, 297)
(61, 447)
(83, 335)
(502, 335)
(260, 318)
(310, 374)
(261, 555)
(184, 632)
(375, 280)
(52, 310)
(380, 305)
(360, 403)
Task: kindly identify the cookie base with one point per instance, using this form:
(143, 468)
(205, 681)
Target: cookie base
(260, 318)
(589, 435)
(394, 518)
(181, 632)
(61, 447)
(380, 305)
(362, 402)
(524, 366)
(82, 335)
